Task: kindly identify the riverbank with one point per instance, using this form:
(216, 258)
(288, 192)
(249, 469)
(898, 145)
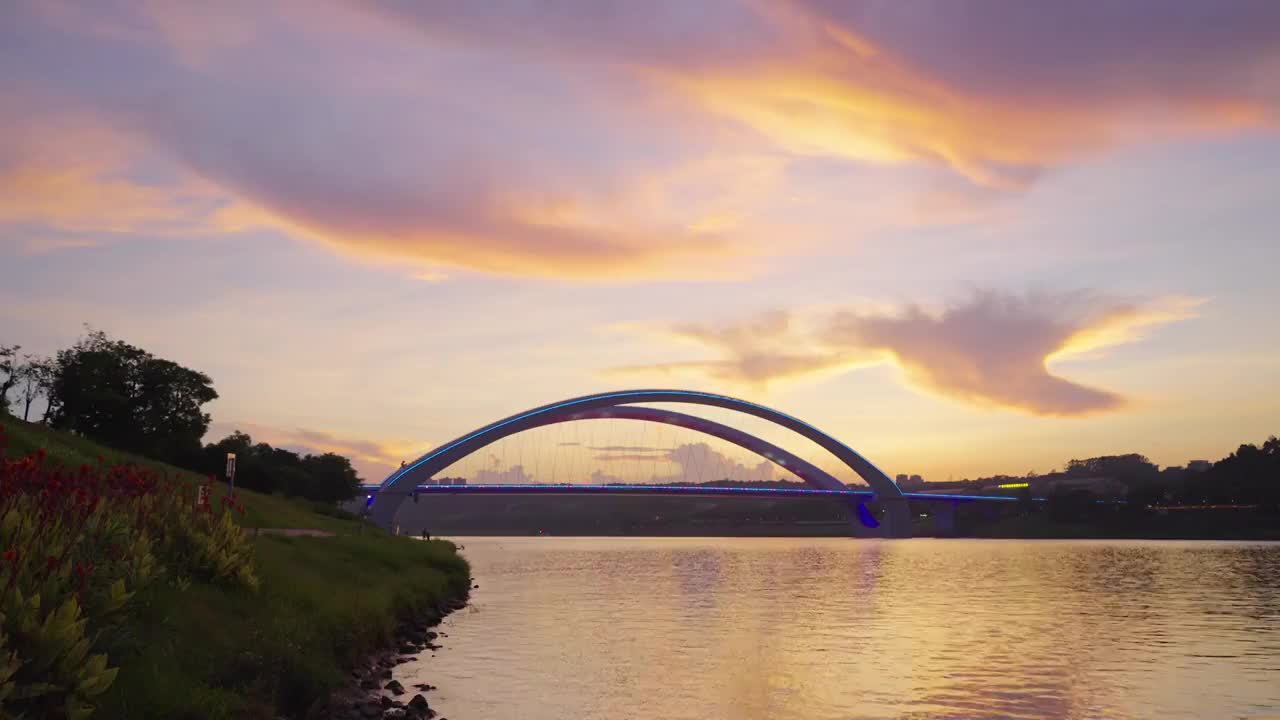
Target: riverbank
(375, 691)
(324, 606)
(190, 646)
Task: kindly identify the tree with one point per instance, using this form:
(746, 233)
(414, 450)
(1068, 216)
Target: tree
(9, 365)
(332, 479)
(1129, 469)
(125, 397)
(1250, 475)
(35, 377)
(250, 470)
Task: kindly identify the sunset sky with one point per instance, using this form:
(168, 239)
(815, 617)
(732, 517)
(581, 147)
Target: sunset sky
(966, 237)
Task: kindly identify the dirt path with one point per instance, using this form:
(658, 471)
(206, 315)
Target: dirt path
(293, 532)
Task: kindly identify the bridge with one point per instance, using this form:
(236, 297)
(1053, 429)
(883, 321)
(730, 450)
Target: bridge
(412, 479)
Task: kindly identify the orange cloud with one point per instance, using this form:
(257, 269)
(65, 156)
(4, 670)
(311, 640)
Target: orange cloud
(519, 241)
(73, 178)
(834, 95)
(766, 349)
(598, 140)
(997, 91)
(991, 350)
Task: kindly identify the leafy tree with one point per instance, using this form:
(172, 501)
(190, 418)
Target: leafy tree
(1250, 475)
(332, 479)
(249, 472)
(128, 398)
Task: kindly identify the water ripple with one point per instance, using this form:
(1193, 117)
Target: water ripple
(860, 630)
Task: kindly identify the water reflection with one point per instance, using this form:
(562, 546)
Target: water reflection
(768, 628)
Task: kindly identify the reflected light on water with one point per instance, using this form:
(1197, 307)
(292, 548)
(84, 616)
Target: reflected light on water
(832, 628)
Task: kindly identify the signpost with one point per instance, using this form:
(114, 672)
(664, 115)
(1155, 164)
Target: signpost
(231, 472)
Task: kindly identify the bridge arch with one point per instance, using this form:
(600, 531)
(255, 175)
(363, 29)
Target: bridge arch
(896, 520)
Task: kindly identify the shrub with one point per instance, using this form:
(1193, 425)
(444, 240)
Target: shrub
(76, 545)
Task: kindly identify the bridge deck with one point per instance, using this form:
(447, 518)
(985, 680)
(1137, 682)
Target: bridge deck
(701, 490)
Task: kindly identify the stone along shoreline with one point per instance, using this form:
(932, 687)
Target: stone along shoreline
(374, 693)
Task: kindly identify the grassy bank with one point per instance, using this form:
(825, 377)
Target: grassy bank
(209, 652)
(265, 511)
(200, 649)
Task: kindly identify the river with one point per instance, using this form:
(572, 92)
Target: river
(827, 629)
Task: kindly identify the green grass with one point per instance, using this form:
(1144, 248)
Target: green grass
(208, 651)
(265, 511)
(324, 603)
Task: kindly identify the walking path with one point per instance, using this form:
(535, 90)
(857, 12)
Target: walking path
(293, 532)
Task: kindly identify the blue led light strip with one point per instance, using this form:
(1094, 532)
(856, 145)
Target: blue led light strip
(685, 490)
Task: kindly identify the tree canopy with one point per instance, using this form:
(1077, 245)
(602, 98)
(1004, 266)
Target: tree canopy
(128, 398)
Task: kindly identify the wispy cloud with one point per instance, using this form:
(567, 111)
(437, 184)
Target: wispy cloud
(625, 457)
(77, 183)
(699, 462)
(991, 349)
(597, 140)
(994, 349)
(773, 346)
(694, 462)
(985, 88)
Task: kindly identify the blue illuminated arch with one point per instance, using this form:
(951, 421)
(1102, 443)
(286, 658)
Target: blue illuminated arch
(896, 518)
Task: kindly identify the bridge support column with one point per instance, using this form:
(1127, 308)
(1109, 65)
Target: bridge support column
(897, 517)
(385, 506)
(944, 519)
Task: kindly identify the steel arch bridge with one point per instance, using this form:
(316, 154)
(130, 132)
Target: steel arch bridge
(896, 521)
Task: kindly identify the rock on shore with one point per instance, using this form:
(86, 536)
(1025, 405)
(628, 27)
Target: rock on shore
(364, 699)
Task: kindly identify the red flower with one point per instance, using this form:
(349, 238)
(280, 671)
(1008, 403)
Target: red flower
(11, 556)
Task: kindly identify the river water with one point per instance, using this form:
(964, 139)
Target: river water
(818, 629)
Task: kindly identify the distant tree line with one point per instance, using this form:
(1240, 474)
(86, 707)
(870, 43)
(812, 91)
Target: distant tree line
(123, 396)
(328, 477)
(1248, 476)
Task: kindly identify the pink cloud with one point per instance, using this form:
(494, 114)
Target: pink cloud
(992, 349)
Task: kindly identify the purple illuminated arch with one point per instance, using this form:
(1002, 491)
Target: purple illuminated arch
(896, 517)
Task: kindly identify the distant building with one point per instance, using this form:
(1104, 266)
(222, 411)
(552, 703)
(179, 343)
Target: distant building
(431, 481)
(910, 481)
(1198, 465)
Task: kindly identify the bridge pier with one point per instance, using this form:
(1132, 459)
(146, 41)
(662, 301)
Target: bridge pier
(896, 522)
(386, 503)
